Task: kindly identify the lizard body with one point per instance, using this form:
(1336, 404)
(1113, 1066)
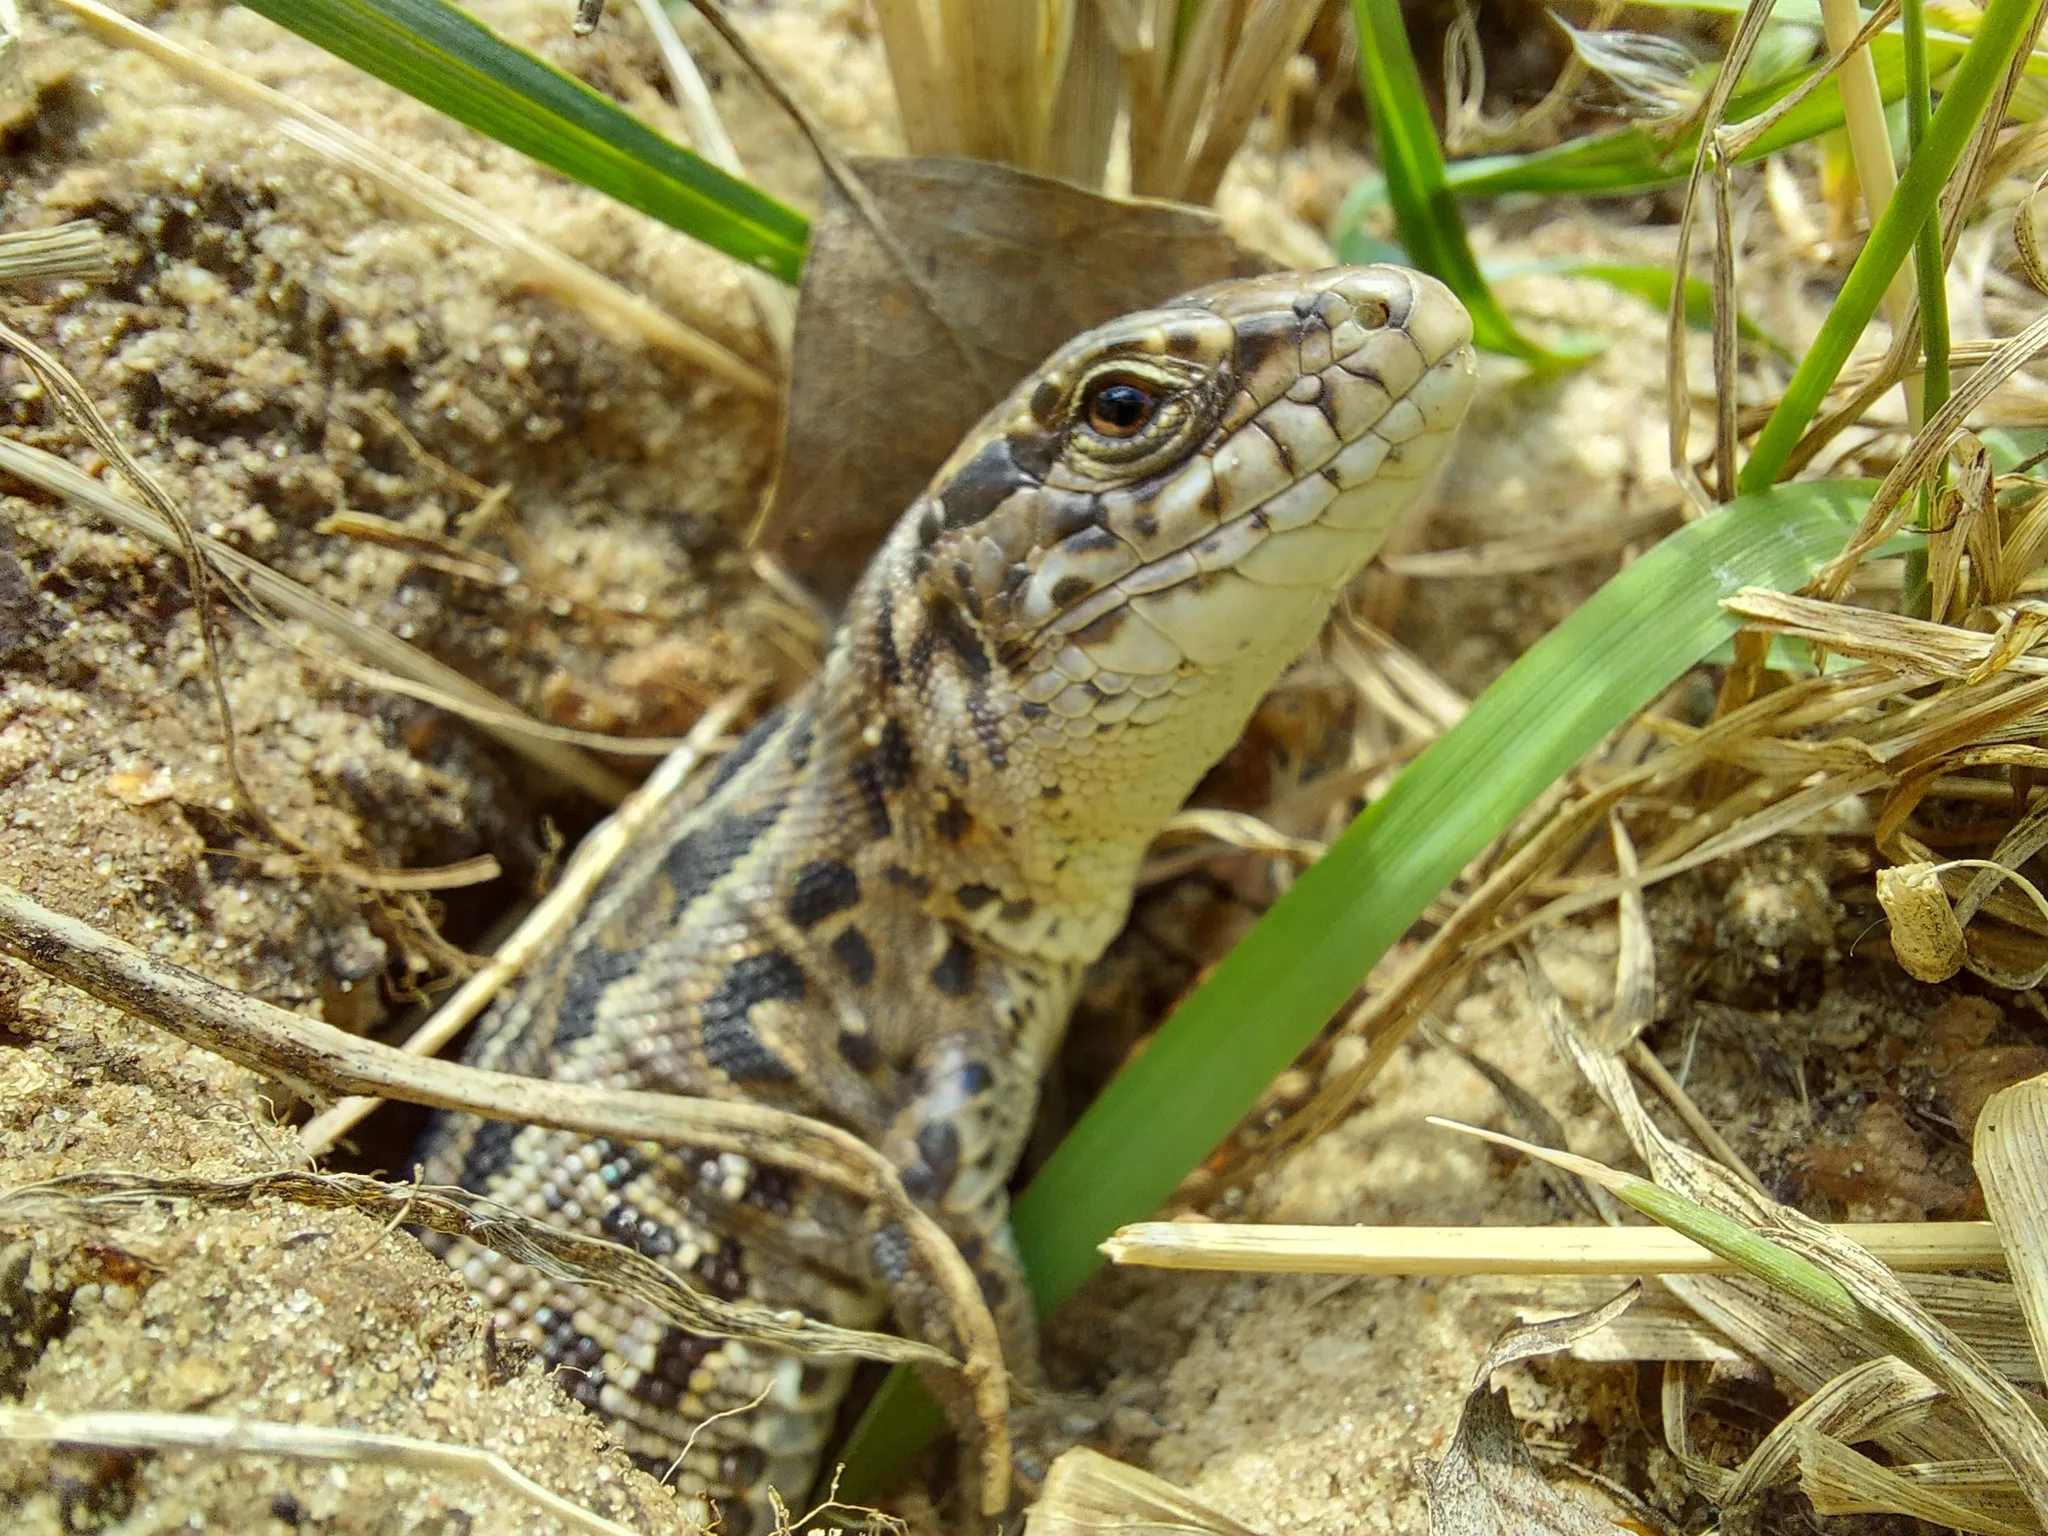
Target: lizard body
(879, 912)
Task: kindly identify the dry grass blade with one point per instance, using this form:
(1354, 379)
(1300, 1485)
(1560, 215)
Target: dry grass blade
(1861, 1402)
(206, 1435)
(563, 1255)
(594, 857)
(13, 88)
(413, 670)
(317, 1058)
(1870, 1303)
(1891, 506)
(2012, 1161)
(568, 280)
(1709, 163)
(1662, 1327)
(76, 249)
(1087, 1494)
(1870, 140)
(1271, 33)
(1841, 1481)
(1038, 84)
(1918, 647)
(1274, 1249)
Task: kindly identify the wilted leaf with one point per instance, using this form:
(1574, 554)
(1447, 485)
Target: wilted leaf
(1841, 1481)
(906, 336)
(2012, 1160)
(1489, 1485)
(1926, 938)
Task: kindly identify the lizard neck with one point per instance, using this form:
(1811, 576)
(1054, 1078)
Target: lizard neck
(1020, 824)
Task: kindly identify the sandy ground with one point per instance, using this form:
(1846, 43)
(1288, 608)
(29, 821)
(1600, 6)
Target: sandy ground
(281, 342)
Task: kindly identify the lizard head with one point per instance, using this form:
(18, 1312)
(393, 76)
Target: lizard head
(1086, 605)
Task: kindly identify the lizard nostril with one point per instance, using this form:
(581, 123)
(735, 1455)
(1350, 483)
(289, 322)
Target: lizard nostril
(1372, 313)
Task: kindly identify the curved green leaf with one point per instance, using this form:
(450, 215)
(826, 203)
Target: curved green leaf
(439, 55)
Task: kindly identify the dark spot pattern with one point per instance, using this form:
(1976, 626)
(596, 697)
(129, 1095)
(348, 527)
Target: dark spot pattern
(822, 887)
(490, 1153)
(954, 974)
(740, 1466)
(974, 895)
(923, 646)
(890, 1247)
(730, 1043)
(917, 885)
(1103, 630)
(988, 730)
(855, 957)
(881, 772)
(801, 736)
(588, 979)
(704, 856)
(723, 1271)
(963, 583)
(1065, 514)
(952, 626)
(984, 483)
(623, 1223)
(938, 1162)
(859, 1051)
(744, 751)
(886, 659)
(953, 821)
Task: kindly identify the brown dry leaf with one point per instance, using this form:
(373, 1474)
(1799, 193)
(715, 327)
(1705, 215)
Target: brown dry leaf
(1489, 1484)
(1087, 1493)
(906, 335)
(1883, 1172)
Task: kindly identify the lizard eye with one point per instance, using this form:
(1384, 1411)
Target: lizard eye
(1118, 407)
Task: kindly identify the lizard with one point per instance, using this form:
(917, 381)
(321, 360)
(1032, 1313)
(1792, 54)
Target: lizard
(879, 910)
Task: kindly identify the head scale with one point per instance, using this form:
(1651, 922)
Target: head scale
(1099, 585)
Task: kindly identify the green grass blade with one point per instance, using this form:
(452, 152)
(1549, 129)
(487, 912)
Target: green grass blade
(1424, 209)
(437, 54)
(1207, 1066)
(1931, 284)
(2000, 34)
(1637, 160)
